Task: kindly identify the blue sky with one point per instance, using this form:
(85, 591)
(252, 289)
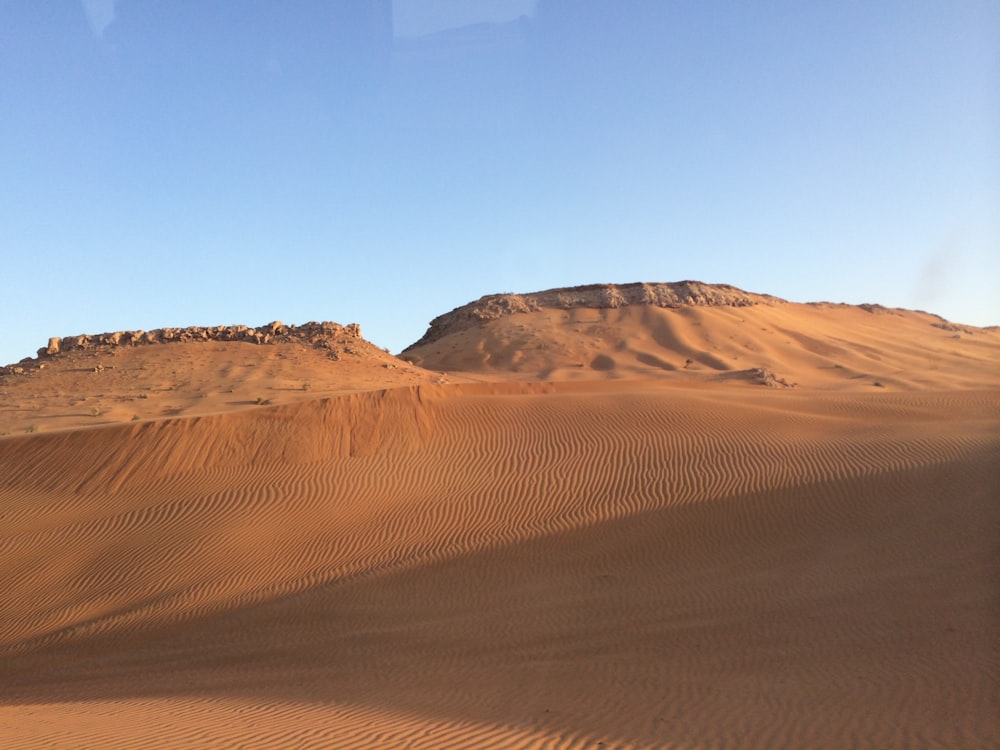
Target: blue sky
(198, 162)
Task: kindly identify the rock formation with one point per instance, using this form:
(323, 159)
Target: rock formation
(318, 335)
(600, 296)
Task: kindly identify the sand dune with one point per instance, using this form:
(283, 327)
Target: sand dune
(535, 566)
(591, 562)
(818, 345)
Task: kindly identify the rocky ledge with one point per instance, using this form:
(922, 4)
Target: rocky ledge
(599, 296)
(319, 335)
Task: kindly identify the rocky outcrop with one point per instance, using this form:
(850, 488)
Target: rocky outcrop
(319, 335)
(314, 334)
(758, 375)
(600, 296)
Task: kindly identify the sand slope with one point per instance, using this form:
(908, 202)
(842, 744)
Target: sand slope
(612, 563)
(115, 385)
(816, 345)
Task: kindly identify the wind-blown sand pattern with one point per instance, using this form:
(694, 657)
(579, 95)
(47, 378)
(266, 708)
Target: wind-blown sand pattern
(596, 563)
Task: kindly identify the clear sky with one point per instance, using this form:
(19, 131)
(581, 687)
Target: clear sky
(199, 162)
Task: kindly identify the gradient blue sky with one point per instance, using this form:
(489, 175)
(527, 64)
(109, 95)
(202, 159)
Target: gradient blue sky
(198, 162)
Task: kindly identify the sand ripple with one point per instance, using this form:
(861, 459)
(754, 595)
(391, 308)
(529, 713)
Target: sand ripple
(510, 565)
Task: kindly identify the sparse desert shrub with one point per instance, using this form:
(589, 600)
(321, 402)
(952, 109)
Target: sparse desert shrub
(95, 412)
(878, 384)
(261, 401)
(31, 428)
(306, 386)
(135, 417)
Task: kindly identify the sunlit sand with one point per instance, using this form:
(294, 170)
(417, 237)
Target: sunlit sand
(564, 527)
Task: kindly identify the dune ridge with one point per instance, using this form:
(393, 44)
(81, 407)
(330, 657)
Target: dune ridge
(567, 520)
(510, 564)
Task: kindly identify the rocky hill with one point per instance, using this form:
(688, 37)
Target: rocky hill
(689, 331)
(596, 296)
(333, 337)
(138, 376)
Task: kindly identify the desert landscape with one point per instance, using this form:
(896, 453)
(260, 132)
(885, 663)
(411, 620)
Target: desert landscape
(673, 515)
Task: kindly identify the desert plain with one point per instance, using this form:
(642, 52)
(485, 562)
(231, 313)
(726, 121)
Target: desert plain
(638, 516)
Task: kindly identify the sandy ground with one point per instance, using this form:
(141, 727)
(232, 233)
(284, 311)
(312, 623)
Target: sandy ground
(399, 558)
(817, 345)
(163, 381)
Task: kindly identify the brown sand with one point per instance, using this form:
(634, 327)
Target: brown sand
(661, 563)
(817, 345)
(124, 384)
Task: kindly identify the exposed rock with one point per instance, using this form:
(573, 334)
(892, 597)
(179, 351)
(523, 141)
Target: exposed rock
(600, 296)
(769, 379)
(758, 375)
(318, 335)
(952, 328)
